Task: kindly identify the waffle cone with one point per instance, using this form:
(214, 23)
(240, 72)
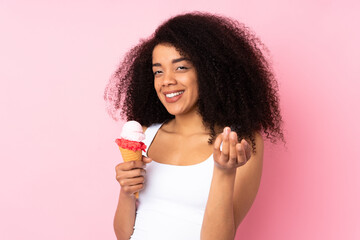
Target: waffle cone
(130, 155)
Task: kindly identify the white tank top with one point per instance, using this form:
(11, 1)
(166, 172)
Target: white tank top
(173, 202)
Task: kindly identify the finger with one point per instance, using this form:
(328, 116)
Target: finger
(232, 149)
(241, 158)
(247, 149)
(132, 181)
(217, 144)
(224, 158)
(146, 160)
(132, 189)
(131, 173)
(126, 166)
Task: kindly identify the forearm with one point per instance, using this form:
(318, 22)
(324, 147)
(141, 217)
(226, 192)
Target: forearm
(218, 222)
(124, 219)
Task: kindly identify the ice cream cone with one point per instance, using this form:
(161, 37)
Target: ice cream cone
(130, 155)
(130, 143)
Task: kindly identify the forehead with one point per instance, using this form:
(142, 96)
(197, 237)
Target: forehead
(165, 51)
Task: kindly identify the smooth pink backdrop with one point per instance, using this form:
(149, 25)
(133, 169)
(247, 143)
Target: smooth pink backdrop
(58, 154)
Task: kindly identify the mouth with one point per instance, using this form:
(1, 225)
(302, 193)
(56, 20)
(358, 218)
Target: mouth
(173, 96)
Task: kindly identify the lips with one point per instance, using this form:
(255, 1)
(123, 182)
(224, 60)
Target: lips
(173, 96)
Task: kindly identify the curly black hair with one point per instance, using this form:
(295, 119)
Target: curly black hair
(236, 84)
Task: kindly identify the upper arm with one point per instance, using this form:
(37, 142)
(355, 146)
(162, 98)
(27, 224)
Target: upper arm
(247, 182)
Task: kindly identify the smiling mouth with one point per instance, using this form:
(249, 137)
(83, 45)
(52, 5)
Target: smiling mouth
(171, 95)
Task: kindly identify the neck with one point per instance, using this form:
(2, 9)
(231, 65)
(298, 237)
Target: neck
(188, 124)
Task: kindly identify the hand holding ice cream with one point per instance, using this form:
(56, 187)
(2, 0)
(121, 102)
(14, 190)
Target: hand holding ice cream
(130, 142)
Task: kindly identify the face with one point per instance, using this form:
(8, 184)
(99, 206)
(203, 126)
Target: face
(175, 80)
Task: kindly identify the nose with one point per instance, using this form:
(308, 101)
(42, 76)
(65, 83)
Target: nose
(169, 79)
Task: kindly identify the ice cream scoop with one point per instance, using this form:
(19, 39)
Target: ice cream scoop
(132, 131)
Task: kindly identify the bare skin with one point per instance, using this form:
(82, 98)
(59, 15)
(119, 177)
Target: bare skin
(169, 144)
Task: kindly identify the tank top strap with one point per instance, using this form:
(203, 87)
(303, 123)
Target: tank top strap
(150, 133)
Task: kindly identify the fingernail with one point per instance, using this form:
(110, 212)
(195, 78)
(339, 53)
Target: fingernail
(239, 147)
(233, 136)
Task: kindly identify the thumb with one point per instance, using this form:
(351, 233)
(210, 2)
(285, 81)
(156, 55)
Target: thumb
(147, 159)
(217, 144)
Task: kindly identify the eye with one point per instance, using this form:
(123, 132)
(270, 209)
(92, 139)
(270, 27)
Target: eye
(181, 67)
(156, 72)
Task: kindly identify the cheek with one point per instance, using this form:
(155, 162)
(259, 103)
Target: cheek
(156, 86)
(195, 88)
(157, 82)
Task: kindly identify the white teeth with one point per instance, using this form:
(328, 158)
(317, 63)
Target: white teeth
(171, 95)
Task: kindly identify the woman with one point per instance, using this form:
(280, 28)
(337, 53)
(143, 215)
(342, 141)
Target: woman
(204, 93)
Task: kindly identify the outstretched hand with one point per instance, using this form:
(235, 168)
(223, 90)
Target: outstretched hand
(233, 154)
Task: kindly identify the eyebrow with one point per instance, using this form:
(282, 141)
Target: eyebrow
(173, 61)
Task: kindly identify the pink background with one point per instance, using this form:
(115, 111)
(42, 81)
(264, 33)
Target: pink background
(58, 154)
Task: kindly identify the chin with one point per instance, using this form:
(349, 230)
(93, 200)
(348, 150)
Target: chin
(177, 108)
(178, 112)
(172, 112)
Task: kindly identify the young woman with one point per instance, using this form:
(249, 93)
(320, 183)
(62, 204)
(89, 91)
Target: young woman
(205, 94)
